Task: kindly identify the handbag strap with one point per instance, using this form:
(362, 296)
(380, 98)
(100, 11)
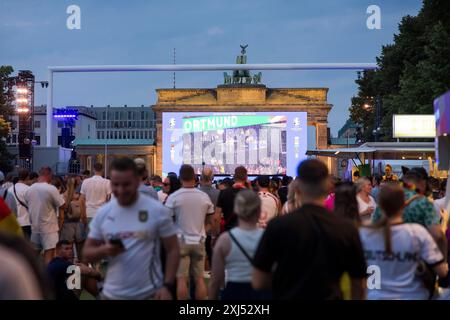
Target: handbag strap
(240, 247)
(18, 199)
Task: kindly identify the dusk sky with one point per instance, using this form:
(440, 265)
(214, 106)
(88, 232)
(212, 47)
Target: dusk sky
(34, 35)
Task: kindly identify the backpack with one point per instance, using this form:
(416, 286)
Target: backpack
(73, 210)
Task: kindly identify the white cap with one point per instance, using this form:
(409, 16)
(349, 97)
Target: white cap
(139, 162)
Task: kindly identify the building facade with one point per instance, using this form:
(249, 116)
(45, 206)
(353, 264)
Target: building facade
(91, 151)
(121, 132)
(101, 135)
(84, 127)
(125, 123)
(349, 130)
(244, 98)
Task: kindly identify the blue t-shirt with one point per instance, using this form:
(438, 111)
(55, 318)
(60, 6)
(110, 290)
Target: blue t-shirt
(57, 272)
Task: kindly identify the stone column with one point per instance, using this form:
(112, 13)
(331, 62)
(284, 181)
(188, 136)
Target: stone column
(321, 142)
(149, 164)
(159, 151)
(87, 162)
(321, 135)
(82, 160)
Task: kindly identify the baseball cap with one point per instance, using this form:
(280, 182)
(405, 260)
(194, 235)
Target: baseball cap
(139, 162)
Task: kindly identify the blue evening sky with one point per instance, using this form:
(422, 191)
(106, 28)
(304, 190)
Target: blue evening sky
(34, 35)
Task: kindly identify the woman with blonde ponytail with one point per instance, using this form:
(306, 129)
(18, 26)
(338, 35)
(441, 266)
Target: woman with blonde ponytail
(396, 250)
(73, 229)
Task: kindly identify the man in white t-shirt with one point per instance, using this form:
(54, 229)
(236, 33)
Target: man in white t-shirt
(192, 208)
(270, 204)
(95, 192)
(44, 204)
(128, 231)
(18, 191)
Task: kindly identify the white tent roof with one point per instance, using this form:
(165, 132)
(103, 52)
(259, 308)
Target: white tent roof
(393, 150)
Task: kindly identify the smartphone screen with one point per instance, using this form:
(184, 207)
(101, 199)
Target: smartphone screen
(117, 242)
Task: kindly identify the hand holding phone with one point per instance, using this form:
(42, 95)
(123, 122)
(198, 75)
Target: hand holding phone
(116, 242)
(114, 247)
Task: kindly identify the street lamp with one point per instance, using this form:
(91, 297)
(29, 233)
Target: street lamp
(378, 107)
(24, 102)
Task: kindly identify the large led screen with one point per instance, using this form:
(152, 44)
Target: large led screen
(270, 143)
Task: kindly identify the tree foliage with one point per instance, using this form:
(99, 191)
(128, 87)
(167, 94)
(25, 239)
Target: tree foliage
(6, 111)
(412, 72)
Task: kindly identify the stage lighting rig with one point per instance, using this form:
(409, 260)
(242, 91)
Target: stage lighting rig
(24, 94)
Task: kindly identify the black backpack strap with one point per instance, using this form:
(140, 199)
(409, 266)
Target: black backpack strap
(5, 194)
(18, 199)
(240, 247)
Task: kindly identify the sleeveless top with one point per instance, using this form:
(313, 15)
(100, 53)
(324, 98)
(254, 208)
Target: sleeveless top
(237, 267)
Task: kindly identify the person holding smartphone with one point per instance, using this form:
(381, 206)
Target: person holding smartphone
(128, 232)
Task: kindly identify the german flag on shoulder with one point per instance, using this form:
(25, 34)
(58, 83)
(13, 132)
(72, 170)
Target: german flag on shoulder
(8, 221)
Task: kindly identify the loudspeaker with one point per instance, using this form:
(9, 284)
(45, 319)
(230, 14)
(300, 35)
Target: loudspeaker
(65, 137)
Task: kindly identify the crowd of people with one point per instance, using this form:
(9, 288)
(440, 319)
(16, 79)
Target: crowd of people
(189, 236)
